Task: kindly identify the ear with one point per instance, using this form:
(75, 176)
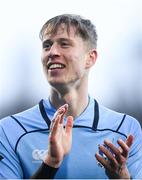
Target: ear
(91, 59)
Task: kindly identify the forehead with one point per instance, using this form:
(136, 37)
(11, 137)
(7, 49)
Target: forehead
(61, 30)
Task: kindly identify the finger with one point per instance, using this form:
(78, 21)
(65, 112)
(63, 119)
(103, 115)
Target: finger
(69, 125)
(104, 163)
(109, 155)
(51, 125)
(66, 107)
(129, 140)
(56, 126)
(125, 146)
(58, 112)
(117, 152)
(61, 111)
(64, 111)
(114, 150)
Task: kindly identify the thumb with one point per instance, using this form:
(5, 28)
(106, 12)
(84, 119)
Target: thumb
(69, 125)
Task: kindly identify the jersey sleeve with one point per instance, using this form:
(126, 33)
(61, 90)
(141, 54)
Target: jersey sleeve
(9, 162)
(135, 155)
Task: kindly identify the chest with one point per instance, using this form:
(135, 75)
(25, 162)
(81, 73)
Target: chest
(79, 163)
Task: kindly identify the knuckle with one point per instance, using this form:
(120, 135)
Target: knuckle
(52, 139)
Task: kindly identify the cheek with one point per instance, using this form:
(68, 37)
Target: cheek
(79, 67)
(43, 59)
(76, 60)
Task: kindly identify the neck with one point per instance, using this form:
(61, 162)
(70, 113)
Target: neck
(77, 99)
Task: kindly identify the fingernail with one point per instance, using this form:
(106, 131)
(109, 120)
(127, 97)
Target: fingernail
(106, 141)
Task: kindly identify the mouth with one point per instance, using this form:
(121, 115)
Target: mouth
(52, 66)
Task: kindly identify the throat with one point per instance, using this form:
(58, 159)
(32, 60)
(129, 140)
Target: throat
(76, 103)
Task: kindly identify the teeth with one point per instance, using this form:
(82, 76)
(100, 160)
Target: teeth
(54, 66)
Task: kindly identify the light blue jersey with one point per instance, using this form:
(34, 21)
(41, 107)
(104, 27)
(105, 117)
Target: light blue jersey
(24, 142)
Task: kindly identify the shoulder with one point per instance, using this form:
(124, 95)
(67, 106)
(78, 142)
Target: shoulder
(12, 127)
(118, 121)
(19, 118)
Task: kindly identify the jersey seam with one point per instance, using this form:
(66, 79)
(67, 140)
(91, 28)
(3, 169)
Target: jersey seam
(7, 138)
(19, 123)
(75, 126)
(27, 133)
(106, 129)
(121, 122)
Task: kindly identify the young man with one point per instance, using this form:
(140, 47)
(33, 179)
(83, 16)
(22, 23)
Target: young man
(69, 135)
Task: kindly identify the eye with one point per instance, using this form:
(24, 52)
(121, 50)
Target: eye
(47, 45)
(65, 44)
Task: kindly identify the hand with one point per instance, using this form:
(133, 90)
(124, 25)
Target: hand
(60, 138)
(115, 161)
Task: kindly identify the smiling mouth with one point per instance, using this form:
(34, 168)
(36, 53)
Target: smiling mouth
(53, 66)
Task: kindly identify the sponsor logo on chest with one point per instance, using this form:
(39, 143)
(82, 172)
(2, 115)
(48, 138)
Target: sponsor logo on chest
(38, 155)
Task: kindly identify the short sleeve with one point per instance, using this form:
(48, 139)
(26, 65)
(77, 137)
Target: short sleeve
(135, 155)
(9, 162)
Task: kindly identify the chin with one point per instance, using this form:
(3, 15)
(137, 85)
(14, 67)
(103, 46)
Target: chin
(60, 86)
(56, 83)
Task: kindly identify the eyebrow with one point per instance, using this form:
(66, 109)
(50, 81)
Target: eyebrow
(60, 39)
(65, 39)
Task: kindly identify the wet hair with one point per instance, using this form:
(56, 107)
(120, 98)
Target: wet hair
(83, 27)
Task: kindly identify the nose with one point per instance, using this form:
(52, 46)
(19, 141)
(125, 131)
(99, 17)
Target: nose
(54, 51)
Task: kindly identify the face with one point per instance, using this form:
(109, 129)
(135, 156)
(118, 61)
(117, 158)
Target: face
(64, 57)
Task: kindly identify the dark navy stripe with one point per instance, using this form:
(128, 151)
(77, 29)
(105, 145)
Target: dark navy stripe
(107, 129)
(112, 131)
(121, 122)
(96, 116)
(19, 123)
(43, 113)
(26, 134)
(74, 126)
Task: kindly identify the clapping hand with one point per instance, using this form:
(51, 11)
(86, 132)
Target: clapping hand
(115, 158)
(60, 138)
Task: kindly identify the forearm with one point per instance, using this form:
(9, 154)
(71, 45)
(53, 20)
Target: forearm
(45, 172)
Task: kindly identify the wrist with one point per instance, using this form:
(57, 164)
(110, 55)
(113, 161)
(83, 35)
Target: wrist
(51, 161)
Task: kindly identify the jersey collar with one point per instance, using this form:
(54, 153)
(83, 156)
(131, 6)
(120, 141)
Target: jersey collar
(88, 118)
